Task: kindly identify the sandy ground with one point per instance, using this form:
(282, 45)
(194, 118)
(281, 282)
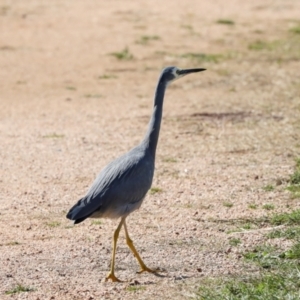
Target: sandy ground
(68, 107)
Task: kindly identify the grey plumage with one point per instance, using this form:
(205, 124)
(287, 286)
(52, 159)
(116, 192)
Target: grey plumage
(122, 185)
(119, 188)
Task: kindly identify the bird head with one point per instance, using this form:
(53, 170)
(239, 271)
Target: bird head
(170, 74)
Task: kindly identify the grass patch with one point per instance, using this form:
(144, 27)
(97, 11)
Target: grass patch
(295, 178)
(71, 88)
(278, 274)
(252, 206)
(293, 253)
(188, 27)
(134, 288)
(227, 204)
(295, 30)
(69, 226)
(169, 159)
(96, 222)
(225, 22)
(295, 190)
(145, 39)
(262, 45)
(107, 76)
(123, 55)
(285, 49)
(268, 188)
(278, 277)
(202, 57)
(247, 226)
(53, 136)
(268, 206)
(234, 242)
(19, 288)
(289, 233)
(265, 287)
(13, 243)
(155, 190)
(292, 218)
(53, 224)
(264, 256)
(294, 182)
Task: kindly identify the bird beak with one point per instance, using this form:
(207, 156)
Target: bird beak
(188, 71)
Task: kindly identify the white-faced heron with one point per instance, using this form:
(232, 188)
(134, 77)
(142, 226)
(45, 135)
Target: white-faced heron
(122, 185)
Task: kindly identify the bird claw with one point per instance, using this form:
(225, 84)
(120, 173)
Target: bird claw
(112, 277)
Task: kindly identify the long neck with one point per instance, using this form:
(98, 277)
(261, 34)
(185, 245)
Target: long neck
(151, 137)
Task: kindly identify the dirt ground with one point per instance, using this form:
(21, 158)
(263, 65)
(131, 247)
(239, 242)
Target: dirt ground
(76, 86)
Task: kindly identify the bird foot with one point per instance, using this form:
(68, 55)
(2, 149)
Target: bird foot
(112, 277)
(146, 269)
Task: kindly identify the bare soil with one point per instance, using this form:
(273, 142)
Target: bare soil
(68, 107)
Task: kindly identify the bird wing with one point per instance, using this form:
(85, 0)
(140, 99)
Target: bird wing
(121, 183)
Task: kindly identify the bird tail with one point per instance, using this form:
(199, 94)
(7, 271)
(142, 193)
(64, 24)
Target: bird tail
(75, 212)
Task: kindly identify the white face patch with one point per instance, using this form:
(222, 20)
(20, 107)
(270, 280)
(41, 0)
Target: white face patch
(176, 75)
(174, 71)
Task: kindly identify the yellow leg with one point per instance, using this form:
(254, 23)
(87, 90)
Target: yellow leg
(111, 274)
(129, 242)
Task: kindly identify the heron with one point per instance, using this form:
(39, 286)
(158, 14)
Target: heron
(122, 185)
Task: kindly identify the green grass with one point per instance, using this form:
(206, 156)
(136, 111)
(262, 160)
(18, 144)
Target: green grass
(252, 206)
(292, 218)
(288, 218)
(96, 222)
(53, 224)
(169, 159)
(14, 243)
(277, 274)
(295, 30)
(278, 277)
(294, 182)
(262, 45)
(234, 241)
(282, 50)
(268, 188)
(71, 88)
(268, 206)
(53, 136)
(19, 288)
(265, 287)
(145, 39)
(295, 177)
(263, 255)
(123, 55)
(289, 233)
(225, 22)
(188, 27)
(69, 226)
(134, 288)
(227, 204)
(293, 253)
(247, 226)
(155, 190)
(107, 76)
(295, 190)
(297, 160)
(202, 57)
